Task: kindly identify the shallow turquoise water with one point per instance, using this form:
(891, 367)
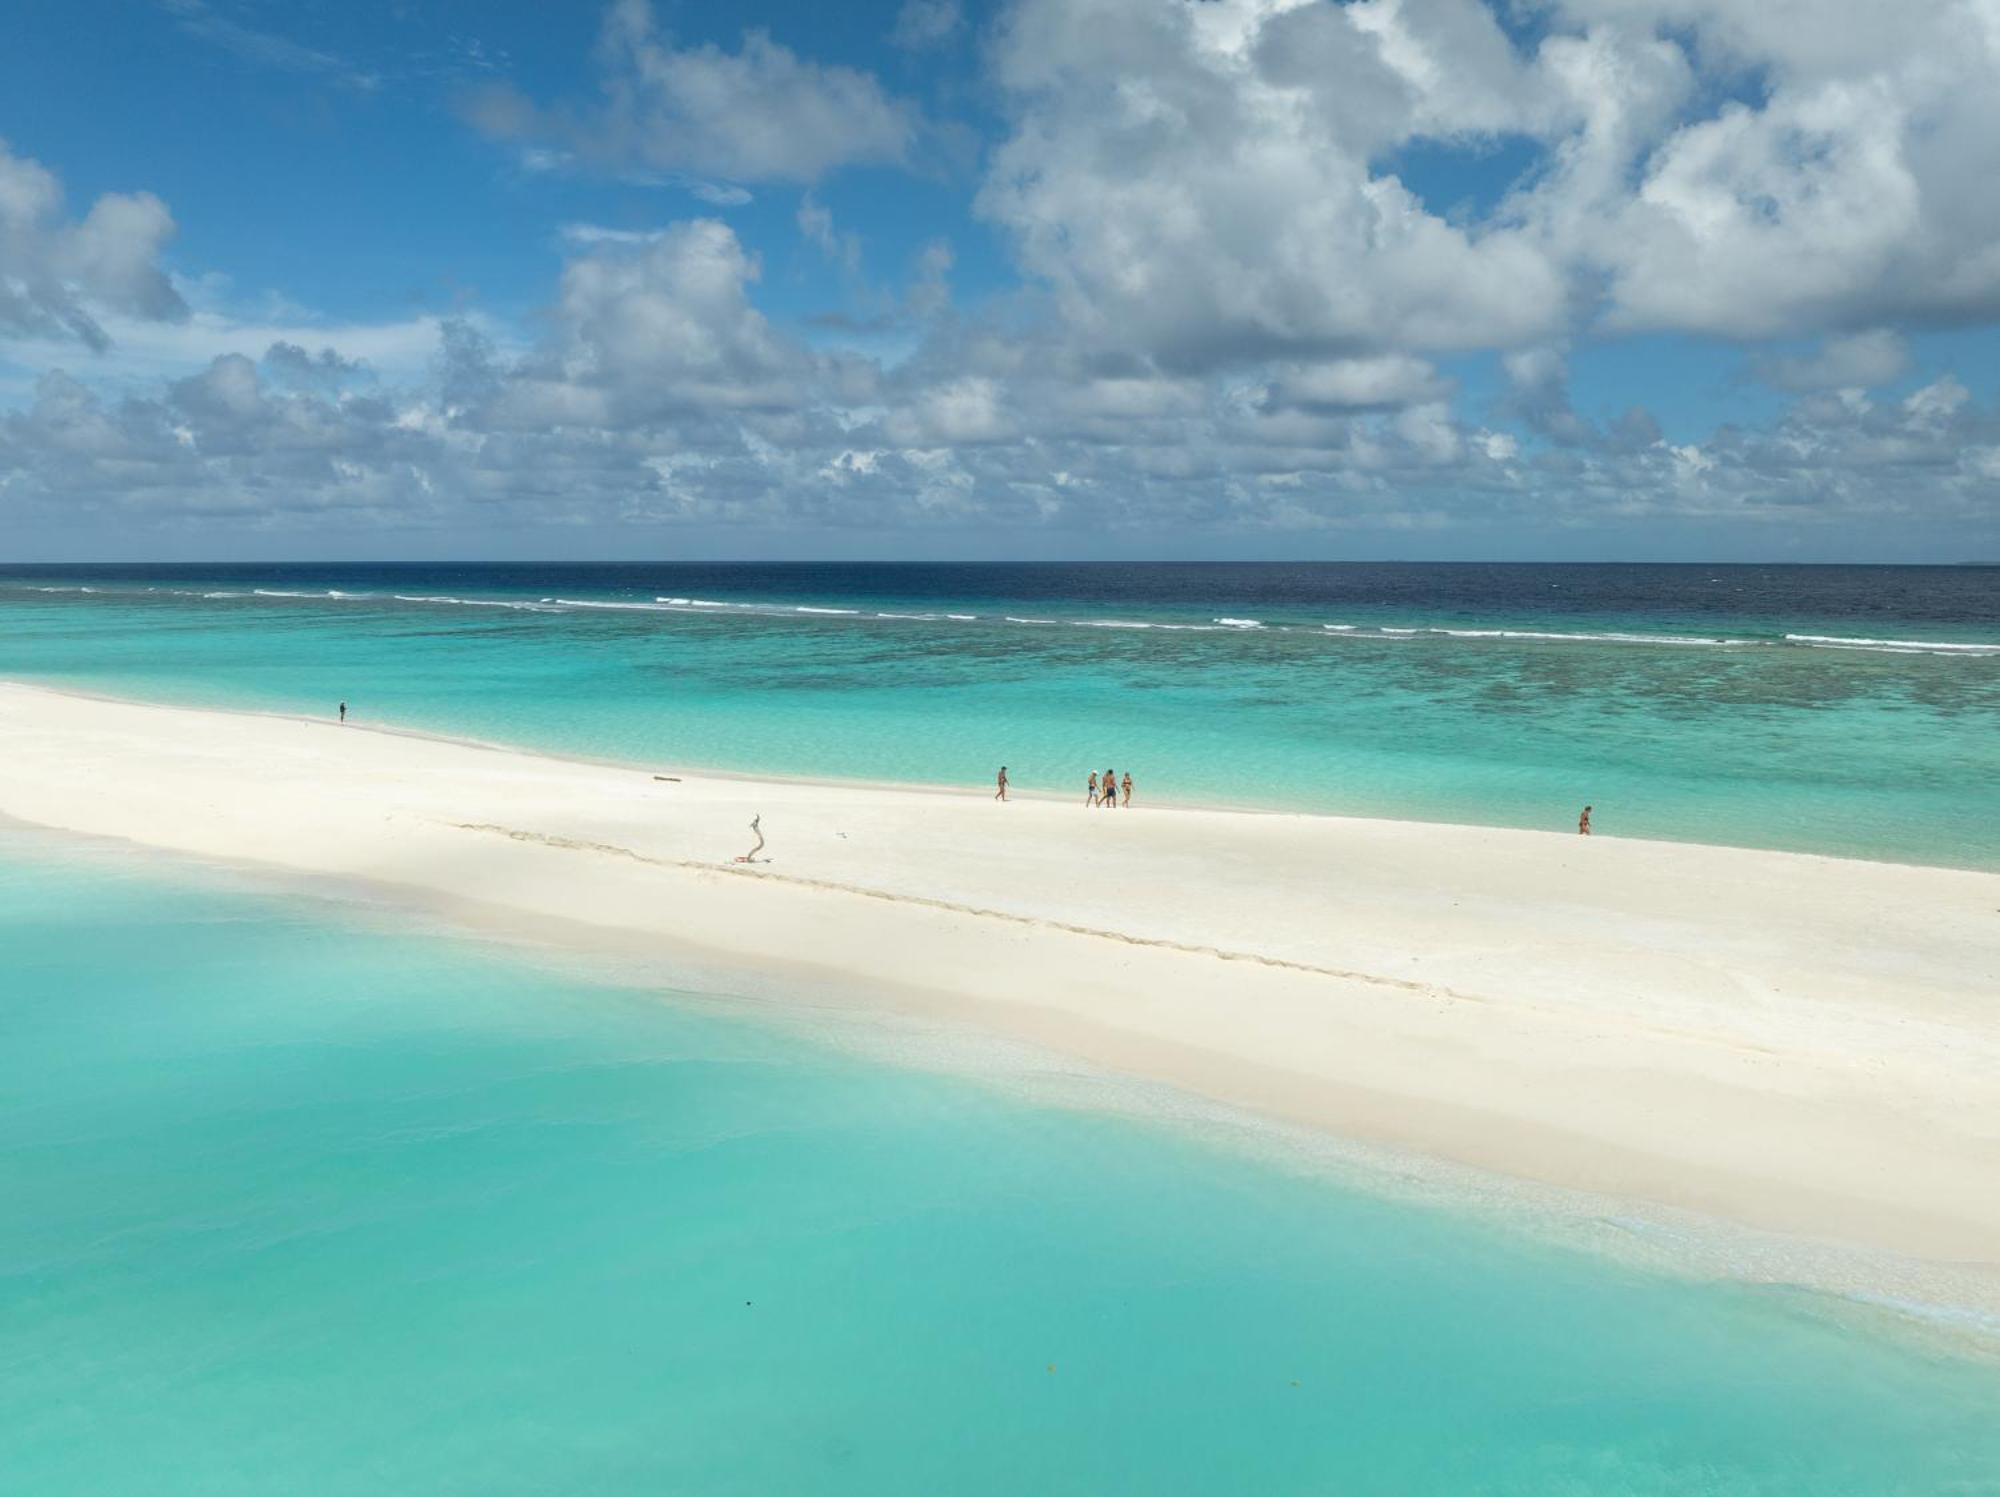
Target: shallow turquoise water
(1683, 705)
(298, 1201)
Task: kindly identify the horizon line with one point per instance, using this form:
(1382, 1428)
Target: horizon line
(937, 561)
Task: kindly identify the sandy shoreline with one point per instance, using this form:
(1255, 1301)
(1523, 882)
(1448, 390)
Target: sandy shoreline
(1795, 1044)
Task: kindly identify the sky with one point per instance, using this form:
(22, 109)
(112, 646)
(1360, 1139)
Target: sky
(1021, 279)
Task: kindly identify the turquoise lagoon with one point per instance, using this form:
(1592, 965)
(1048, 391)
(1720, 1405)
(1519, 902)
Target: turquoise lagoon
(299, 1196)
(299, 1199)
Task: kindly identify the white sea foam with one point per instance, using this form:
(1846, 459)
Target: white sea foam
(520, 606)
(1957, 649)
(1892, 646)
(1547, 636)
(1216, 628)
(1610, 637)
(605, 603)
(765, 610)
(687, 603)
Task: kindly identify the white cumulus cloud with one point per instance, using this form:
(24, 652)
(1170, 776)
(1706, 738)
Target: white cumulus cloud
(759, 113)
(59, 276)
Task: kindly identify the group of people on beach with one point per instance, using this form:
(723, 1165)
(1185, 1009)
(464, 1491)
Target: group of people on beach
(1104, 791)
(1106, 794)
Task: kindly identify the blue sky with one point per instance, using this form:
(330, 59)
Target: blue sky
(1428, 278)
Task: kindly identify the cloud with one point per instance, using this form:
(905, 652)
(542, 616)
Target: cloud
(761, 113)
(590, 234)
(1240, 313)
(541, 161)
(144, 351)
(843, 248)
(1538, 398)
(1858, 361)
(1849, 193)
(1218, 183)
(644, 330)
(930, 291)
(59, 278)
(719, 194)
(219, 444)
(922, 24)
(325, 372)
(263, 48)
(1197, 195)
(1384, 383)
(660, 396)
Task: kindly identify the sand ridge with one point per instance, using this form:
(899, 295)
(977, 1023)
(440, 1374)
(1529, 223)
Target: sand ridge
(1796, 1044)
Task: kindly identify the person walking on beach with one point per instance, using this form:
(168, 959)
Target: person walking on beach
(1091, 799)
(1128, 787)
(1110, 788)
(1583, 823)
(343, 712)
(1001, 793)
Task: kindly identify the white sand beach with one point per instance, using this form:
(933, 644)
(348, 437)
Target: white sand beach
(1799, 1045)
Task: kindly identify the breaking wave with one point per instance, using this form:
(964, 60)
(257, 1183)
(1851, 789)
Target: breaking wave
(1891, 646)
(1344, 631)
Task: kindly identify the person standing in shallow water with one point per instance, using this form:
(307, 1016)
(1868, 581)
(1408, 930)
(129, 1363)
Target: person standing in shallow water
(1127, 787)
(1583, 823)
(1091, 798)
(1001, 793)
(343, 712)
(1110, 787)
